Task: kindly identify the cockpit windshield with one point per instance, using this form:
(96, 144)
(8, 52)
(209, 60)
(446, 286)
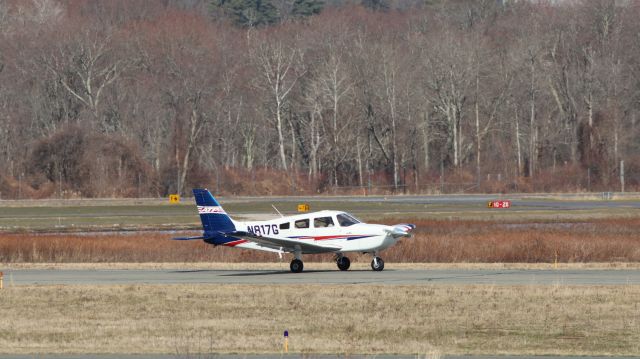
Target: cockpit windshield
(346, 220)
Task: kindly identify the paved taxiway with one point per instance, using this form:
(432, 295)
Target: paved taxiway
(541, 201)
(468, 202)
(386, 277)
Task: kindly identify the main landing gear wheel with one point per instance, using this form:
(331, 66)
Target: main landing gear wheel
(343, 263)
(296, 266)
(377, 264)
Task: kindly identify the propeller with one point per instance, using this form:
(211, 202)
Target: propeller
(402, 230)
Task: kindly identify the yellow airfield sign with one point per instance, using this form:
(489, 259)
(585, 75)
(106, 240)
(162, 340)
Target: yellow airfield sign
(174, 198)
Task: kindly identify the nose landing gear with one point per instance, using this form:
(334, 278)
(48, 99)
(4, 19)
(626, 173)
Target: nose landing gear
(377, 264)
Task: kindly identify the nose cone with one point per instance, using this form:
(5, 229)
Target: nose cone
(402, 230)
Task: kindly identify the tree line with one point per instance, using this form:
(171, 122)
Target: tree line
(146, 98)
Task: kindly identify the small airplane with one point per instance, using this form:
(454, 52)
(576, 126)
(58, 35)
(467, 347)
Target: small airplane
(319, 232)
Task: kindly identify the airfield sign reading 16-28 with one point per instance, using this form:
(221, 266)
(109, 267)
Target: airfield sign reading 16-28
(499, 204)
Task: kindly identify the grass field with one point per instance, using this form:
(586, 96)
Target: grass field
(424, 320)
(435, 241)
(315, 266)
(438, 319)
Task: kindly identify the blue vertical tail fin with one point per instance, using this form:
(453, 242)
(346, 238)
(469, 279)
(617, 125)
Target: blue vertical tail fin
(214, 219)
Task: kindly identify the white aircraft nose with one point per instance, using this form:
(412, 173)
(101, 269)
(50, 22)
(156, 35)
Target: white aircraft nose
(402, 230)
(397, 232)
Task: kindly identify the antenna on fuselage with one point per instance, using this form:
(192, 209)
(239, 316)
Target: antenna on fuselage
(274, 207)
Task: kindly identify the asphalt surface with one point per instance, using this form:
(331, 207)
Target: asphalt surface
(518, 201)
(547, 200)
(386, 277)
(411, 205)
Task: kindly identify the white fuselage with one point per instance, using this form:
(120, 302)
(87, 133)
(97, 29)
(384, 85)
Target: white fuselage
(325, 228)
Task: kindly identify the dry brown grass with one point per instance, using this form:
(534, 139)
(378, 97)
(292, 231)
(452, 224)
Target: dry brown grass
(435, 241)
(607, 240)
(284, 266)
(180, 319)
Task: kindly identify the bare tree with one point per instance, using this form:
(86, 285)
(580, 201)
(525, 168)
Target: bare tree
(278, 72)
(189, 87)
(451, 69)
(85, 64)
(545, 90)
(333, 87)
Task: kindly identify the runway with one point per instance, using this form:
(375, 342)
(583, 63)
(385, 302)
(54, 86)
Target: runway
(335, 277)
(542, 201)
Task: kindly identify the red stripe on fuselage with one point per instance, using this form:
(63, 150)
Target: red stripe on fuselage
(324, 238)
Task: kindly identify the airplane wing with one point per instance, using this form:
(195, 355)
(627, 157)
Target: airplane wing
(287, 245)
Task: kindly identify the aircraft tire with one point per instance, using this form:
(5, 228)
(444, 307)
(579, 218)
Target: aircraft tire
(377, 264)
(296, 266)
(343, 263)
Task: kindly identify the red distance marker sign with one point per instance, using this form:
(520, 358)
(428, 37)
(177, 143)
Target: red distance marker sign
(499, 204)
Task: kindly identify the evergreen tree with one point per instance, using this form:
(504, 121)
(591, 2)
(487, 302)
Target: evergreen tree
(382, 5)
(303, 8)
(248, 13)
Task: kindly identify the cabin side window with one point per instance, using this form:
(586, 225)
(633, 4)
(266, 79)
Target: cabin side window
(302, 223)
(284, 225)
(322, 222)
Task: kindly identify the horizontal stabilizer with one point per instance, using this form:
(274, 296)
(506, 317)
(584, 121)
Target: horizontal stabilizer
(187, 238)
